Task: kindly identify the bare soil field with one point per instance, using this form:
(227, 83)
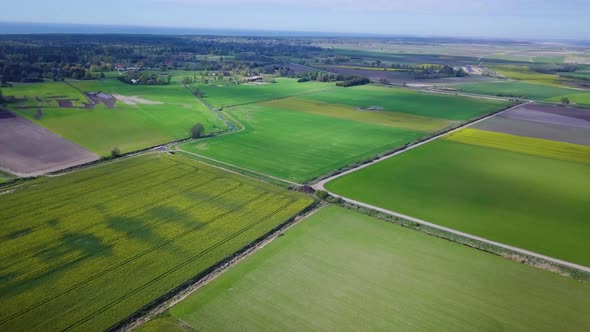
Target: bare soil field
(27, 149)
(549, 131)
(101, 98)
(565, 116)
(134, 100)
(551, 122)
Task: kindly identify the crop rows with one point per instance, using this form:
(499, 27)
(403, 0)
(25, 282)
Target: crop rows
(520, 144)
(125, 243)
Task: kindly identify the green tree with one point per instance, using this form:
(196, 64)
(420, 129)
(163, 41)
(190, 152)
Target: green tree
(565, 100)
(39, 114)
(197, 130)
(115, 152)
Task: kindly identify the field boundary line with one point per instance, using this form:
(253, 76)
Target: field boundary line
(465, 235)
(320, 185)
(185, 290)
(184, 263)
(212, 109)
(177, 149)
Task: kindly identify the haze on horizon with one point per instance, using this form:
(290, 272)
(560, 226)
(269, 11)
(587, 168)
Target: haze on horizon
(566, 19)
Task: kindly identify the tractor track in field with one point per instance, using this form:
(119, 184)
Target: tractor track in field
(135, 257)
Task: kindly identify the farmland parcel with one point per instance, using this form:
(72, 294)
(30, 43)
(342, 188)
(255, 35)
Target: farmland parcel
(343, 271)
(301, 138)
(141, 116)
(85, 250)
(526, 192)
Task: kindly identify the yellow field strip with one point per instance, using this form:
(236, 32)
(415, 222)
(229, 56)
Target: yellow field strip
(514, 143)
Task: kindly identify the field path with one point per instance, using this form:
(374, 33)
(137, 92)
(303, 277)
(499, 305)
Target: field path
(177, 149)
(321, 186)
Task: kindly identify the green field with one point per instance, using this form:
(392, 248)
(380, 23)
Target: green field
(301, 138)
(5, 177)
(129, 127)
(538, 201)
(581, 75)
(410, 101)
(533, 91)
(296, 145)
(85, 250)
(230, 95)
(343, 271)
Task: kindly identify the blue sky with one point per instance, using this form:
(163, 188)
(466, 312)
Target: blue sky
(565, 19)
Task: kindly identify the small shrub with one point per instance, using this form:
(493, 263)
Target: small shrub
(39, 114)
(321, 194)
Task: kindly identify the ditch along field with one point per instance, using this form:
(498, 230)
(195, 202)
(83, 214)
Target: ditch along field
(304, 137)
(85, 250)
(526, 192)
(534, 91)
(343, 271)
(157, 115)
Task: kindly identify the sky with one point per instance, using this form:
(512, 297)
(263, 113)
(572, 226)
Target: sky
(539, 19)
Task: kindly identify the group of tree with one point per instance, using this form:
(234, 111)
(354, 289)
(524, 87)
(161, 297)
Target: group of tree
(32, 58)
(320, 76)
(438, 71)
(144, 78)
(354, 81)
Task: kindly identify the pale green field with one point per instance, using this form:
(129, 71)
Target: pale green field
(343, 271)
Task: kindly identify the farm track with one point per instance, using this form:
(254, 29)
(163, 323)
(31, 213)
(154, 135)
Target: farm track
(135, 257)
(237, 167)
(183, 264)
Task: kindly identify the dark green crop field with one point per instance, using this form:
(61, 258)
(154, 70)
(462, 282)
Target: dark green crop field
(230, 95)
(410, 101)
(534, 196)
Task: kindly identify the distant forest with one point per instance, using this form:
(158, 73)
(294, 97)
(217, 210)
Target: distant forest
(33, 58)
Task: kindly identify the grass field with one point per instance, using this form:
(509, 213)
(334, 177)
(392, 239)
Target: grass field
(409, 101)
(343, 271)
(540, 92)
(521, 144)
(523, 73)
(296, 145)
(5, 177)
(581, 75)
(348, 112)
(534, 202)
(85, 250)
(301, 138)
(230, 95)
(129, 127)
